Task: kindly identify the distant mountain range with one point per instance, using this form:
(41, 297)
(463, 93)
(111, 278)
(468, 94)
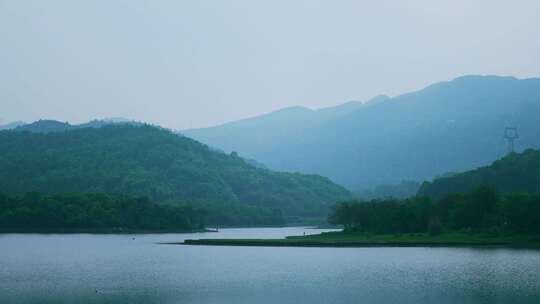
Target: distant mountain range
(449, 126)
(11, 125)
(515, 173)
(153, 162)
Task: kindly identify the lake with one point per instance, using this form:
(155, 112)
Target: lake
(94, 268)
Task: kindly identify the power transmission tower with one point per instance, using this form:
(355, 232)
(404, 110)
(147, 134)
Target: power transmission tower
(511, 134)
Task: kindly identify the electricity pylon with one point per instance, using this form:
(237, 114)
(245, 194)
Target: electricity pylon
(511, 134)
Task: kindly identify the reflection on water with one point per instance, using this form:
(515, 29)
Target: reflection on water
(88, 268)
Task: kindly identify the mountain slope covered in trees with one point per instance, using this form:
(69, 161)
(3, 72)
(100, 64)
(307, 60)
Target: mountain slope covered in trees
(449, 126)
(158, 164)
(517, 172)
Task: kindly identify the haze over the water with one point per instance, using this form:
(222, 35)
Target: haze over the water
(185, 64)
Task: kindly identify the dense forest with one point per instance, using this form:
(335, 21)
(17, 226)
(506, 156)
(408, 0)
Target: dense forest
(466, 201)
(517, 172)
(94, 212)
(167, 168)
(479, 210)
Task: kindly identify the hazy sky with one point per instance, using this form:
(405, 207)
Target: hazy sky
(185, 64)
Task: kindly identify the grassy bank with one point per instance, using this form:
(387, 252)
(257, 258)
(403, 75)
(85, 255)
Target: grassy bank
(342, 239)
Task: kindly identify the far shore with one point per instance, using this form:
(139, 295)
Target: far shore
(132, 231)
(99, 231)
(342, 239)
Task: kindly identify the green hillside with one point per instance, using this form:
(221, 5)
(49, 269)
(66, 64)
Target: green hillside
(158, 164)
(517, 172)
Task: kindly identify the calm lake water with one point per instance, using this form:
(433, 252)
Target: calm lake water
(86, 268)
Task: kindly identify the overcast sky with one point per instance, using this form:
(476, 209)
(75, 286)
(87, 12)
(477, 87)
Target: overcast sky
(184, 64)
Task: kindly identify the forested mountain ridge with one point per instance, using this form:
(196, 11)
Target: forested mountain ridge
(49, 125)
(155, 163)
(517, 172)
(449, 126)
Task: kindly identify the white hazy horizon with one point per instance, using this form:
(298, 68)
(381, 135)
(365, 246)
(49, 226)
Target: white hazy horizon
(190, 64)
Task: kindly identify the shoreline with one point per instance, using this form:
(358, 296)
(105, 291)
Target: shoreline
(100, 231)
(126, 231)
(286, 243)
(282, 243)
(341, 239)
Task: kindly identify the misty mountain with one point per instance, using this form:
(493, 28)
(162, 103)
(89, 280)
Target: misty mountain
(449, 126)
(12, 125)
(257, 137)
(402, 190)
(148, 161)
(517, 172)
